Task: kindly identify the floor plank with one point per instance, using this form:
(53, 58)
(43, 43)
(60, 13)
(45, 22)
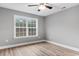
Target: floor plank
(39, 49)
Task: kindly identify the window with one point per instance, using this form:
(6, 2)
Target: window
(25, 27)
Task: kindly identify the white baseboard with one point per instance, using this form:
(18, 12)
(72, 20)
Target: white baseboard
(15, 45)
(62, 45)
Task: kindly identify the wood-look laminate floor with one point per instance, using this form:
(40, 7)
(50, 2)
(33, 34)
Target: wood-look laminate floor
(39, 49)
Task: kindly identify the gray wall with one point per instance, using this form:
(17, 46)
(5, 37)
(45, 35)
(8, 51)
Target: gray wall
(63, 27)
(7, 27)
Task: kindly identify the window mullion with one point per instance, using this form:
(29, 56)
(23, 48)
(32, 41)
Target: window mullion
(26, 28)
(36, 27)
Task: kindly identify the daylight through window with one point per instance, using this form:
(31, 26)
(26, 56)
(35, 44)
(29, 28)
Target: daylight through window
(25, 27)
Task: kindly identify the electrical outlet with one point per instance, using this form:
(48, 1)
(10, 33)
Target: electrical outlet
(6, 40)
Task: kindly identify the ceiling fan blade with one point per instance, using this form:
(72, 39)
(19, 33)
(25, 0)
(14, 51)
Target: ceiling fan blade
(49, 7)
(32, 5)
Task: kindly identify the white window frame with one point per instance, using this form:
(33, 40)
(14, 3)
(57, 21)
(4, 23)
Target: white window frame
(26, 26)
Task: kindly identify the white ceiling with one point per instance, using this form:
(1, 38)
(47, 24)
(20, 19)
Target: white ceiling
(33, 10)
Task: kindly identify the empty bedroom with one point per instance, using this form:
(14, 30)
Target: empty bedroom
(39, 29)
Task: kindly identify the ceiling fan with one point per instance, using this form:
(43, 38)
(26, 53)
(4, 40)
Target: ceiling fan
(41, 6)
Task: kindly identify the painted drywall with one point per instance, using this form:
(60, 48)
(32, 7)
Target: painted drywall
(63, 27)
(7, 27)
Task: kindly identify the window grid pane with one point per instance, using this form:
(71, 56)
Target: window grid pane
(31, 31)
(20, 23)
(31, 23)
(20, 32)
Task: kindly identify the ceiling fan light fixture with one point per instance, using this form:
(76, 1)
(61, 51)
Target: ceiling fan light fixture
(42, 7)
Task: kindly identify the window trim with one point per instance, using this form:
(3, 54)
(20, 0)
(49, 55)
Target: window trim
(26, 27)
